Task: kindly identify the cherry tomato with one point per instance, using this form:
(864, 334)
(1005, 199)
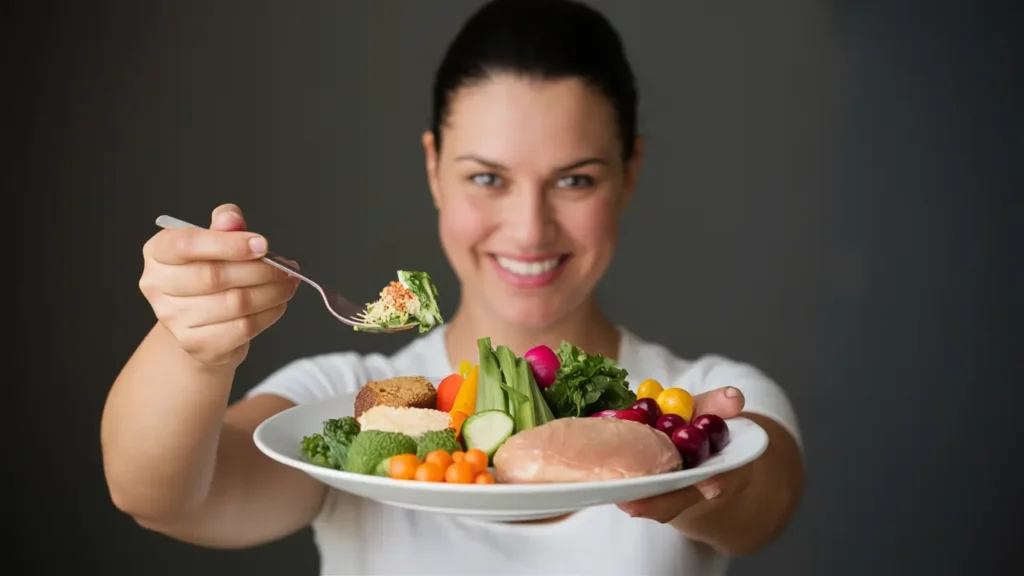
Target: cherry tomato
(439, 457)
(429, 472)
(477, 459)
(676, 401)
(484, 478)
(403, 466)
(460, 473)
(649, 389)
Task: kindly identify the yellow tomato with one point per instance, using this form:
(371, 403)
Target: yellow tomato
(649, 389)
(676, 401)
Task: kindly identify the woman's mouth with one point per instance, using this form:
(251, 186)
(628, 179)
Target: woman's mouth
(529, 272)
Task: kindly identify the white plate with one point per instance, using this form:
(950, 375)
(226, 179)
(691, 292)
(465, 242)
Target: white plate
(279, 437)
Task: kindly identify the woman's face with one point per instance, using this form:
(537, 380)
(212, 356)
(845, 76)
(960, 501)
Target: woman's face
(529, 185)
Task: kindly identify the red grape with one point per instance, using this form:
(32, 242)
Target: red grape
(668, 423)
(716, 429)
(693, 445)
(634, 415)
(649, 407)
(604, 414)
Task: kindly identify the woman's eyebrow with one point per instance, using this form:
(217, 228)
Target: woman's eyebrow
(497, 166)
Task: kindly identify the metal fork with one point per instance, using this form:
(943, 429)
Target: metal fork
(337, 304)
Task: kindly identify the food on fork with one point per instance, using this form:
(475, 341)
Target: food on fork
(411, 299)
(584, 450)
(401, 391)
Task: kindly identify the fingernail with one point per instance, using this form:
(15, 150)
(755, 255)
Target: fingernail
(227, 218)
(258, 244)
(731, 392)
(710, 491)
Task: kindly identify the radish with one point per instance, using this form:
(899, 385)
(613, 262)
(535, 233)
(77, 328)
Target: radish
(544, 364)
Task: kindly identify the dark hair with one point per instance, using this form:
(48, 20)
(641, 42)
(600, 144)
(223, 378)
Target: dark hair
(543, 39)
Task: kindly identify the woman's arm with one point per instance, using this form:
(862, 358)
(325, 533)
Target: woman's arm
(183, 463)
(756, 502)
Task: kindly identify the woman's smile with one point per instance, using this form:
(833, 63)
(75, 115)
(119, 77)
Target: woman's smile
(529, 271)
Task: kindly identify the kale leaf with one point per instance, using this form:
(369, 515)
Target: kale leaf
(587, 383)
(330, 448)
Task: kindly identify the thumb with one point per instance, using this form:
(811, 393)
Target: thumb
(227, 218)
(726, 402)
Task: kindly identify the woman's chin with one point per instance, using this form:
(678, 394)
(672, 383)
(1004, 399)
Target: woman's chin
(529, 313)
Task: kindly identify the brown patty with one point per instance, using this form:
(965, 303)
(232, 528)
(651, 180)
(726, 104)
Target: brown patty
(402, 391)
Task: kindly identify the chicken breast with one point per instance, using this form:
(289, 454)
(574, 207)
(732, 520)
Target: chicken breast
(583, 450)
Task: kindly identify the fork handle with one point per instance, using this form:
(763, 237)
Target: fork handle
(274, 259)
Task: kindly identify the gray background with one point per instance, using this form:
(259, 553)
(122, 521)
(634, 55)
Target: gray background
(827, 189)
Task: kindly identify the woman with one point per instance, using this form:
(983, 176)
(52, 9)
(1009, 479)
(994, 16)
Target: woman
(532, 156)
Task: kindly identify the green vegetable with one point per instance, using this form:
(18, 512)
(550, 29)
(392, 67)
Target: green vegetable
(330, 447)
(489, 392)
(541, 411)
(586, 383)
(383, 468)
(419, 283)
(517, 389)
(437, 440)
(316, 451)
(371, 447)
(487, 431)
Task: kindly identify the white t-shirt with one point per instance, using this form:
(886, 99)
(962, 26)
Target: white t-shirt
(359, 536)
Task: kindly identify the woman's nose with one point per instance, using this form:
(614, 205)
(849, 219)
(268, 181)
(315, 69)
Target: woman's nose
(529, 218)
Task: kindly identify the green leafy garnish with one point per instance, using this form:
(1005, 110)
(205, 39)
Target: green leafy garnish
(429, 314)
(587, 383)
(329, 448)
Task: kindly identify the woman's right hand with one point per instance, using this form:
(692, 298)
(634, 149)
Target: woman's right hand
(209, 288)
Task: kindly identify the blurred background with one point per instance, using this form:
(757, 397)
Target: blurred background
(828, 189)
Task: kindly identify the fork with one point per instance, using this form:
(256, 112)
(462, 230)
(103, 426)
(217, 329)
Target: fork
(336, 304)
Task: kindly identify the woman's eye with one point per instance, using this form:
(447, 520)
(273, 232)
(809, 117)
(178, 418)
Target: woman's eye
(488, 180)
(575, 181)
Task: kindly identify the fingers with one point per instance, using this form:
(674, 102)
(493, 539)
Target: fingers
(184, 245)
(679, 504)
(199, 278)
(726, 402)
(208, 343)
(663, 508)
(227, 218)
(221, 307)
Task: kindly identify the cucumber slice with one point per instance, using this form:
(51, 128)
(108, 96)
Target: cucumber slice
(487, 430)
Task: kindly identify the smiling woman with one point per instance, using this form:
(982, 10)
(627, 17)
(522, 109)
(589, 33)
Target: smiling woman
(531, 158)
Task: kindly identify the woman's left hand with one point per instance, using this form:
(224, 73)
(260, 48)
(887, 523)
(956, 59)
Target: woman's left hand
(727, 403)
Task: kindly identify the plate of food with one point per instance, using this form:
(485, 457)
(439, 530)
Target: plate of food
(510, 438)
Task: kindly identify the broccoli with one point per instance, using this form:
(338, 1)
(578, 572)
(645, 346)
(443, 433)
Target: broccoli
(330, 448)
(316, 450)
(437, 440)
(373, 446)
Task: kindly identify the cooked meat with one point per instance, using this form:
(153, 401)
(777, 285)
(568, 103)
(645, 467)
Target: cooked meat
(412, 422)
(408, 391)
(585, 449)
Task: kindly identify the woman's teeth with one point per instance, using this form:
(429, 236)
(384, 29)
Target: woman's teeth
(522, 268)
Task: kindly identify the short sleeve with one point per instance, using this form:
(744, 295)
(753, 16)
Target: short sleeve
(761, 394)
(318, 377)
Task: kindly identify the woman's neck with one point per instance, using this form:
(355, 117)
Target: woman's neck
(586, 327)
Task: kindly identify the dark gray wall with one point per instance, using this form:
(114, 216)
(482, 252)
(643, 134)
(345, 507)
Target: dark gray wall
(827, 188)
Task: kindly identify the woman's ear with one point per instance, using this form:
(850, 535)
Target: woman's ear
(430, 157)
(632, 173)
